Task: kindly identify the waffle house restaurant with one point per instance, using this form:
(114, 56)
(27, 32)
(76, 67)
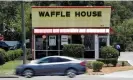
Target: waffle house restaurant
(54, 26)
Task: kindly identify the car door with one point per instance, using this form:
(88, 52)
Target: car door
(52, 66)
(60, 65)
(45, 66)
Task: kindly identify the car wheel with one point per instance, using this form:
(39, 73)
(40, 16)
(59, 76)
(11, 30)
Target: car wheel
(28, 73)
(71, 73)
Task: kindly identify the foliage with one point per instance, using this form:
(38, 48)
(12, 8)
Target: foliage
(109, 55)
(2, 56)
(29, 54)
(109, 52)
(129, 47)
(108, 61)
(13, 54)
(97, 66)
(73, 50)
(89, 64)
(123, 33)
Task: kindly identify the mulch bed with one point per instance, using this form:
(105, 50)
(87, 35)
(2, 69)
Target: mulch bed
(107, 70)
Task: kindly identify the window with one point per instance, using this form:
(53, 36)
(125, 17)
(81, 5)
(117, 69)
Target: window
(89, 42)
(48, 60)
(63, 60)
(40, 43)
(45, 60)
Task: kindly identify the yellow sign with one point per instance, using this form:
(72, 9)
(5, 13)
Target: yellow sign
(71, 16)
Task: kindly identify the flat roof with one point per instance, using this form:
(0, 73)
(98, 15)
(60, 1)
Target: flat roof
(71, 6)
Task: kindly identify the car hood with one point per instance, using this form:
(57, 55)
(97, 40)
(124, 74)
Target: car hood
(33, 62)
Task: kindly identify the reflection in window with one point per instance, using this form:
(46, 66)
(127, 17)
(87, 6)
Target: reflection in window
(40, 43)
(89, 42)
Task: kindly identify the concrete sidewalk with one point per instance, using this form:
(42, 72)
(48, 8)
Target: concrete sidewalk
(121, 74)
(126, 56)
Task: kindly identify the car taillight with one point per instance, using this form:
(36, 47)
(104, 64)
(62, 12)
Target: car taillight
(82, 63)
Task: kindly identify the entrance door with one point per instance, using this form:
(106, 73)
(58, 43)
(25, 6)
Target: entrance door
(102, 43)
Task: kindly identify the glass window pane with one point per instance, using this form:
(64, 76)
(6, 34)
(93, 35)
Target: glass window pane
(40, 54)
(64, 39)
(89, 42)
(53, 42)
(40, 42)
(64, 60)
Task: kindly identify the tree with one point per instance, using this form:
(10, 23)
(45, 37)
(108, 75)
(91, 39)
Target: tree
(124, 34)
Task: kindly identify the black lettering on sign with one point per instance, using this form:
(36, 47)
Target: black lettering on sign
(62, 15)
(99, 14)
(47, 14)
(83, 13)
(88, 14)
(67, 13)
(94, 13)
(41, 14)
(52, 13)
(57, 13)
(77, 14)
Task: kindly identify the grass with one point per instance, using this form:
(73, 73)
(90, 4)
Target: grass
(9, 67)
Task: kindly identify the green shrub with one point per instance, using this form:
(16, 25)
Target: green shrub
(29, 54)
(2, 56)
(108, 61)
(109, 55)
(10, 55)
(105, 61)
(73, 50)
(89, 64)
(97, 66)
(28, 51)
(13, 54)
(109, 52)
(114, 62)
(19, 52)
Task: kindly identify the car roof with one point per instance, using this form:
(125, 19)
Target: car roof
(66, 57)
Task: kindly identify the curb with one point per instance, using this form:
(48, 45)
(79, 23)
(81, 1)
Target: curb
(130, 62)
(96, 74)
(10, 76)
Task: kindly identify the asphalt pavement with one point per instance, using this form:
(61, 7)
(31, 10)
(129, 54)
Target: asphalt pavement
(79, 77)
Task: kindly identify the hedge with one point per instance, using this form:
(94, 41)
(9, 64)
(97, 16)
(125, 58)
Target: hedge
(97, 66)
(2, 56)
(73, 50)
(109, 55)
(13, 54)
(112, 61)
(109, 52)
(29, 54)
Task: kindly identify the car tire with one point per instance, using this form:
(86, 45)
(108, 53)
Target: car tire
(71, 73)
(28, 73)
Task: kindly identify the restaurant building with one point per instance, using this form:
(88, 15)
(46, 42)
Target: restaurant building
(54, 26)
